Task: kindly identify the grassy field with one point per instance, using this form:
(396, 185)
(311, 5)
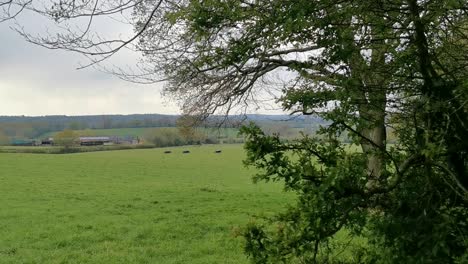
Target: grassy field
(130, 206)
(75, 149)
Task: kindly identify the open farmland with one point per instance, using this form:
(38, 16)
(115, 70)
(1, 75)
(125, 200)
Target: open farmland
(133, 206)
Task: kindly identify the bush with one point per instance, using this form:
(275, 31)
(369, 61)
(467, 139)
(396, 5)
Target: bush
(164, 137)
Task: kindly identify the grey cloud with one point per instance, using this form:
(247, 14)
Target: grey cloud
(37, 81)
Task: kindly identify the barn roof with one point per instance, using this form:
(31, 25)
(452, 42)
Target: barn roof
(94, 138)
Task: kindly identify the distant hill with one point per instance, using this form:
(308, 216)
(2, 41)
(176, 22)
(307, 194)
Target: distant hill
(96, 121)
(35, 126)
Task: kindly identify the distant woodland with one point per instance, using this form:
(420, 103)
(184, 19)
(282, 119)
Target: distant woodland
(27, 127)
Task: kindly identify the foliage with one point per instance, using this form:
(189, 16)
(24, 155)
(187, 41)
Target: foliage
(67, 139)
(45, 126)
(170, 137)
(421, 220)
(364, 67)
(33, 127)
(188, 130)
(164, 138)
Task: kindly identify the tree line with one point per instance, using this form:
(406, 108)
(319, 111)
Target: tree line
(24, 127)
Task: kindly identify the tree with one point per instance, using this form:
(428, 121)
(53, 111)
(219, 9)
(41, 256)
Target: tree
(106, 122)
(10, 9)
(66, 138)
(365, 66)
(164, 137)
(186, 127)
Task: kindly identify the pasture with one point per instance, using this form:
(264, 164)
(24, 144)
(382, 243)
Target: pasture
(130, 206)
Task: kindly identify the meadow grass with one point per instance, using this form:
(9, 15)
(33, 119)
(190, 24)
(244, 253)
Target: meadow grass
(130, 206)
(74, 149)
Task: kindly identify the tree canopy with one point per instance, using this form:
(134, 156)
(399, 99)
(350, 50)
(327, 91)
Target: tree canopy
(66, 138)
(366, 66)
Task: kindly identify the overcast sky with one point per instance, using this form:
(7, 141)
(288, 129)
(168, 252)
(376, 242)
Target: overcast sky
(37, 81)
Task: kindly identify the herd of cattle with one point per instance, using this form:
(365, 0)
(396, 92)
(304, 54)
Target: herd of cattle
(187, 151)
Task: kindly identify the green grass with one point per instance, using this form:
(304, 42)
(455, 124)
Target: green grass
(27, 149)
(130, 206)
(74, 149)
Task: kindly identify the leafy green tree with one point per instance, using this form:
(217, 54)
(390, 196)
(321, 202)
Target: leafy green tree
(66, 138)
(164, 137)
(186, 126)
(364, 66)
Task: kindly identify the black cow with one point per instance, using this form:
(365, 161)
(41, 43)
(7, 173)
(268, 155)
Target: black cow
(217, 151)
(186, 151)
(167, 151)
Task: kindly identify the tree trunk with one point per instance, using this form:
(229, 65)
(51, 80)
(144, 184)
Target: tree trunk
(372, 95)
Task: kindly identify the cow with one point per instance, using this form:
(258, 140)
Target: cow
(167, 152)
(217, 151)
(186, 151)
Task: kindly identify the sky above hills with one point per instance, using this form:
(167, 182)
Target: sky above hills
(37, 81)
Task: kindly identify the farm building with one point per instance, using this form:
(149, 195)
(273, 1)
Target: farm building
(104, 140)
(47, 141)
(130, 140)
(23, 142)
(95, 141)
